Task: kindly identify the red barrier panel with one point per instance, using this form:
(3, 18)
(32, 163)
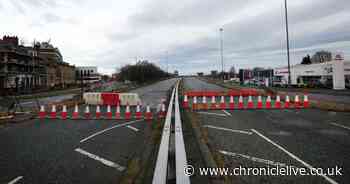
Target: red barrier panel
(110, 98)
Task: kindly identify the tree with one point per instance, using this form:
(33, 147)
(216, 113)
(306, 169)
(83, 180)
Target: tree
(306, 60)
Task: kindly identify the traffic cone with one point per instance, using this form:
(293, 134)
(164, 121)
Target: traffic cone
(87, 112)
(232, 103)
(138, 114)
(296, 101)
(53, 112)
(278, 102)
(286, 103)
(117, 112)
(64, 112)
(109, 113)
(194, 104)
(98, 112)
(213, 103)
(148, 114)
(260, 104)
(162, 112)
(222, 103)
(268, 102)
(76, 112)
(306, 101)
(185, 102)
(240, 102)
(204, 103)
(127, 112)
(42, 112)
(250, 103)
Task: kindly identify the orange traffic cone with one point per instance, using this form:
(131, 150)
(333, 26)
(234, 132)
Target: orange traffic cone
(296, 101)
(240, 102)
(260, 104)
(306, 101)
(286, 103)
(64, 112)
(42, 112)
(194, 104)
(76, 112)
(109, 112)
(138, 114)
(268, 102)
(222, 103)
(98, 112)
(127, 112)
(232, 103)
(185, 102)
(278, 102)
(117, 112)
(162, 112)
(53, 112)
(213, 103)
(204, 103)
(250, 103)
(87, 112)
(148, 114)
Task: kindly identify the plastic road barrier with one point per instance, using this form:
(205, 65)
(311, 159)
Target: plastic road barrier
(129, 98)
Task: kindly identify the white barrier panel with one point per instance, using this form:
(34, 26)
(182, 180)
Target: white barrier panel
(93, 98)
(129, 98)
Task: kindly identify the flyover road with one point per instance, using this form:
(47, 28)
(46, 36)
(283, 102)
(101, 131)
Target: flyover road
(270, 138)
(75, 151)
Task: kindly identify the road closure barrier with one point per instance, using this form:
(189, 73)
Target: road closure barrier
(131, 99)
(93, 98)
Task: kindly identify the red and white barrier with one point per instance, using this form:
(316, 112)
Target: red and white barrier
(42, 112)
(64, 112)
(53, 114)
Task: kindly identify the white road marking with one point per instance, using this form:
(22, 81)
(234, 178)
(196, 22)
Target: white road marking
(339, 125)
(15, 180)
(102, 160)
(210, 113)
(330, 180)
(229, 114)
(255, 159)
(133, 128)
(227, 129)
(107, 129)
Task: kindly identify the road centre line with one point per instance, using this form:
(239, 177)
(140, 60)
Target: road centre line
(133, 128)
(211, 113)
(229, 130)
(229, 114)
(107, 129)
(15, 180)
(339, 125)
(255, 159)
(330, 180)
(102, 160)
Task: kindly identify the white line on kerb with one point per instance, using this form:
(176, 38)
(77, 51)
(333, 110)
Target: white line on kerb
(210, 113)
(330, 180)
(107, 129)
(102, 160)
(229, 114)
(15, 180)
(133, 128)
(339, 125)
(227, 129)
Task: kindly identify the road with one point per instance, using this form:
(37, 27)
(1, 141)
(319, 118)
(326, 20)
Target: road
(75, 151)
(261, 138)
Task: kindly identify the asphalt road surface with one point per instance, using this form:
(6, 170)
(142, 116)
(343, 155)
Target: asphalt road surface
(74, 151)
(267, 138)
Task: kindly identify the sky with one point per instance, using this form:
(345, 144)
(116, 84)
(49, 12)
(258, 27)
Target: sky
(180, 35)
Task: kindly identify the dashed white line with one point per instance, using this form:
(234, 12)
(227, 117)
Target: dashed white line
(107, 129)
(210, 113)
(102, 160)
(254, 159)
(330, 180)
(229, 130)
(133, 128)
(229, 114)
(339, 125)
(15, 180)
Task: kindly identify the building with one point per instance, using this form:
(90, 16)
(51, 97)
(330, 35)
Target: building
(87, 74)
(334, 74)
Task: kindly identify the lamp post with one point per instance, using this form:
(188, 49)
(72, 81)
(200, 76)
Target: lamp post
(222, 52)
(287, 34)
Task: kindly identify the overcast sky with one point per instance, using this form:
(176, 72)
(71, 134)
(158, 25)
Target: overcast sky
(112, 33)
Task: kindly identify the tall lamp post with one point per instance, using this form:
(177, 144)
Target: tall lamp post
(222, 53)
(287, 34)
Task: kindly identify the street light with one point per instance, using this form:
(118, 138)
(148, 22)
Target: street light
(287, 34)
(222, 53)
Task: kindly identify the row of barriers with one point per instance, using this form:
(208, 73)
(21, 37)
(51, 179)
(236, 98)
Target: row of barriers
(111, 113)
(107, 98)
(243, 102)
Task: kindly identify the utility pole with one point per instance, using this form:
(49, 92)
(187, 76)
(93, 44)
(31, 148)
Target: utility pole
(222, 53)
(287, 34)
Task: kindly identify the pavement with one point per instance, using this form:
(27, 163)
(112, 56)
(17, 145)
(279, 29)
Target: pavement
(299, 138)
(75, 151)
